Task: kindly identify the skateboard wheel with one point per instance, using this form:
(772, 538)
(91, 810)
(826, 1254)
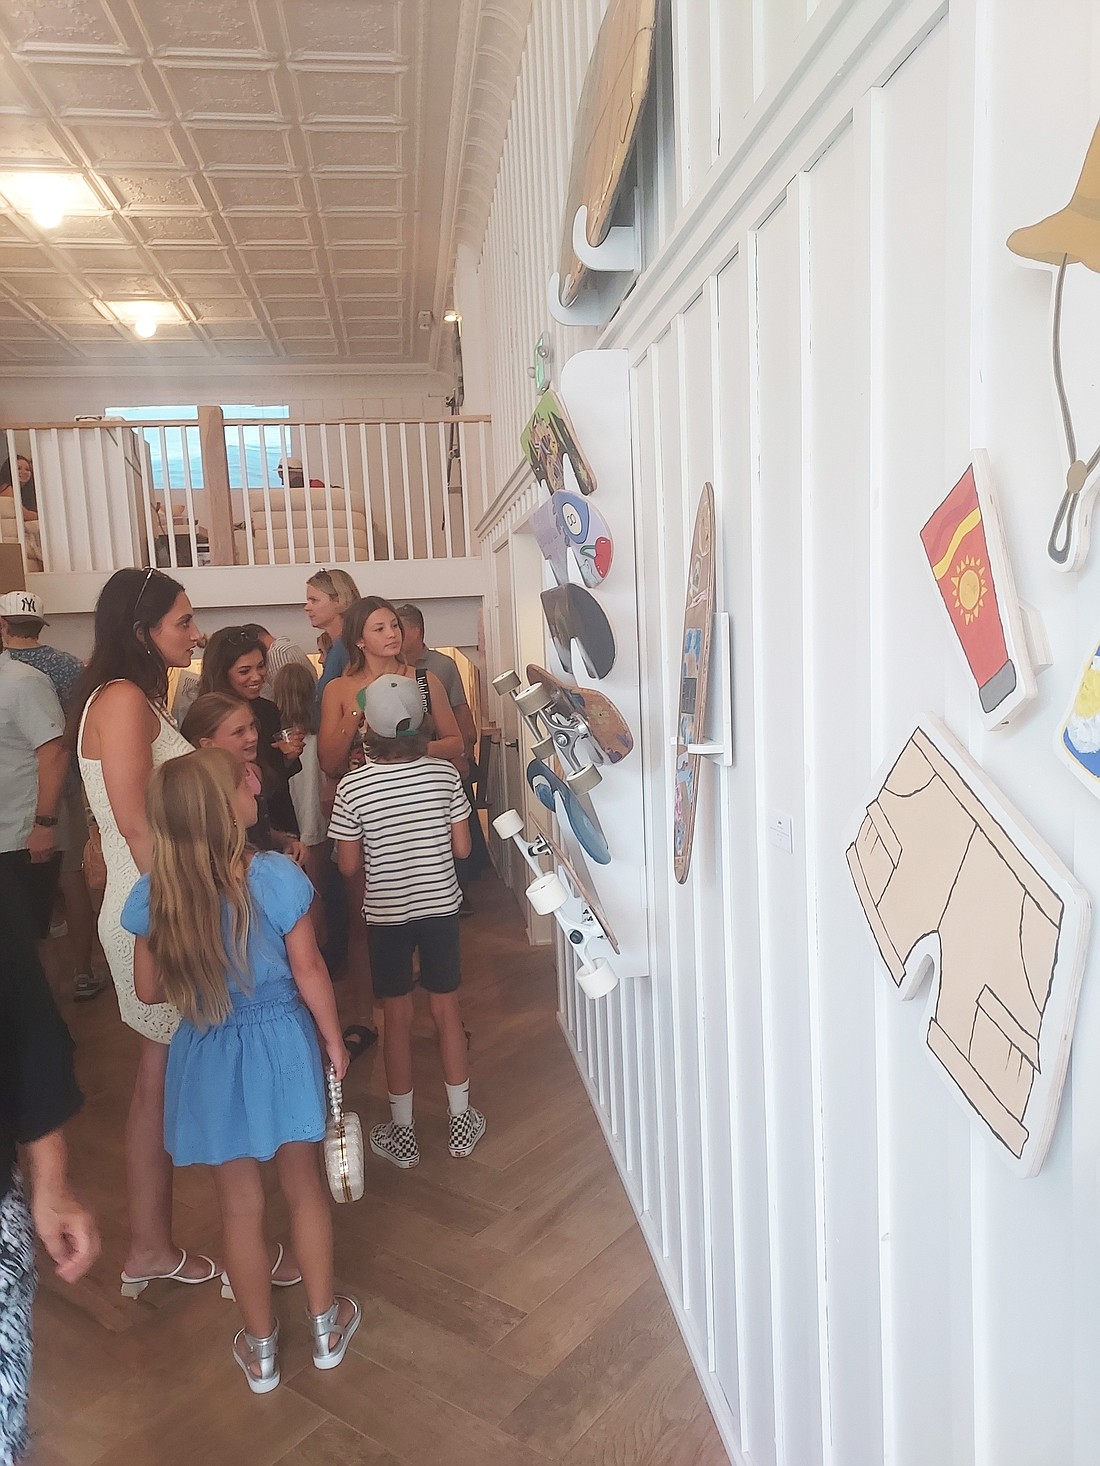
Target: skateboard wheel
(505, 683)
(581, 780)
(508, 824)
(598, 980)
(543, 748)
(547, 894)
(533, 699)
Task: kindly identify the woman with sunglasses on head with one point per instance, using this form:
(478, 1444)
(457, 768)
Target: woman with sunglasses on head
(121, 731)
(235, 665)
(329, 594)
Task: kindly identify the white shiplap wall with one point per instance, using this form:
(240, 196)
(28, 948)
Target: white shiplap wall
(827, 322)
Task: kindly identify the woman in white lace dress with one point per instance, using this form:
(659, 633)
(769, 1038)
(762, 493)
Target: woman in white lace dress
(144, 624)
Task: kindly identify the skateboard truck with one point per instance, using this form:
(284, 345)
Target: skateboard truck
(550, 896)
(555, 731)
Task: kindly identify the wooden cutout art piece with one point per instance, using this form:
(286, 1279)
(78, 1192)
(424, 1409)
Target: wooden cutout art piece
(572, 614)
(616, 85)
(954, 884)
(1069, 237)
(965, 547)
(549, 443)
(694, 675)
(1077, 741)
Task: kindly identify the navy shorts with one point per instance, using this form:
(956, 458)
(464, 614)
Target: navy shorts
(391, 953)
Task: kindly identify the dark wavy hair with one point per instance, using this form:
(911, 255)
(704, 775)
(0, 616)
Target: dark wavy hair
(355, 618)
(223, 649)
(130, 605)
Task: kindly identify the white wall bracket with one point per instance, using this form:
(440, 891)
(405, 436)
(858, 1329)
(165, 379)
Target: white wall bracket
(718, 744)
(620, 254)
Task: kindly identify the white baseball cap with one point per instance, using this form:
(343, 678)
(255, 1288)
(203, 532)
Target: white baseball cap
(393, 706)
(23, 603)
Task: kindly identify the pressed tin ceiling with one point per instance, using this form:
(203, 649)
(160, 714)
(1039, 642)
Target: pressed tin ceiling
(288, 173)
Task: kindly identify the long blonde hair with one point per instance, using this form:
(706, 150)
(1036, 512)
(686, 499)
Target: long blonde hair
(339, 587)
(199, 862)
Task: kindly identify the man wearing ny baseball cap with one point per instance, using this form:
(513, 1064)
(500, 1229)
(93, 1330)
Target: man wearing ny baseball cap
(22, 617)
(399, 822)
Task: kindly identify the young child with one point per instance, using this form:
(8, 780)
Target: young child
(400, 821)
(223, 934)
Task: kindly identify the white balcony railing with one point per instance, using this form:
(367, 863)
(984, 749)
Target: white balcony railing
(210, 492)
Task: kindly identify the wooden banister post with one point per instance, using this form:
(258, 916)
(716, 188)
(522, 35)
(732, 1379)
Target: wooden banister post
(215, 478)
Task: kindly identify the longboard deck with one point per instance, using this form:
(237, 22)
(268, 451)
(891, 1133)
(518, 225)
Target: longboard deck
(694, 676)
(613, 96)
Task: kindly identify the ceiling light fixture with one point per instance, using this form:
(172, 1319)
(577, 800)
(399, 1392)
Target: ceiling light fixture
(47, 213)
(48, 198)
(142, 316)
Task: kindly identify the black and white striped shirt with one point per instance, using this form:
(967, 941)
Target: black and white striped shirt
(403, 815)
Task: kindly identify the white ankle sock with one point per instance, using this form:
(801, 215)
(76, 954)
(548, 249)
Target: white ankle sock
(458, 1098)
(401, 1108)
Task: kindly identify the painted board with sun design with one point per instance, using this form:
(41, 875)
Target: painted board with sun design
(1077, 741)
(966, 552)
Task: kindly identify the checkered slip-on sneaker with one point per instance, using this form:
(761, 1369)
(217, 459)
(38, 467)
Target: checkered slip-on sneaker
(396, 1143)
(464, 1131)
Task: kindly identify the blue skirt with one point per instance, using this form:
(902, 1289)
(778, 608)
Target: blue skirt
(246, 1087)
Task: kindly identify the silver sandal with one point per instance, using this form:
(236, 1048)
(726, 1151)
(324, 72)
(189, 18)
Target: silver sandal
(324, 1324)
(265, 1353)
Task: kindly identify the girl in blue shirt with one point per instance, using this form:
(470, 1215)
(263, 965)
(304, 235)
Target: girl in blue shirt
(224, 934)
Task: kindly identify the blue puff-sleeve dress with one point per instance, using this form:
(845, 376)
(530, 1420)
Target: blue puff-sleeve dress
(254, 1082)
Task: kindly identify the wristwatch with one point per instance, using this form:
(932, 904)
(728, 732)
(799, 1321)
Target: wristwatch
(47, 821)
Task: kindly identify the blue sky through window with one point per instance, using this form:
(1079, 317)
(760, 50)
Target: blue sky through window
(180, 445)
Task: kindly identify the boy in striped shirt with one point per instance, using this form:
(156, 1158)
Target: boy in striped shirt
(399, 822)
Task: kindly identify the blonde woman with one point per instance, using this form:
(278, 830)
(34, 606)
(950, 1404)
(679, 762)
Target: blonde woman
(329, 594)
(224, 935)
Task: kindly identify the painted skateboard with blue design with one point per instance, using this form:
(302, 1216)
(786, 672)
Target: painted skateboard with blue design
(567, 523)
(548, 789)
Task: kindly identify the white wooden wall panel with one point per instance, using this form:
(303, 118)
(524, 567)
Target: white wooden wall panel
(838, 613)
(827, 322)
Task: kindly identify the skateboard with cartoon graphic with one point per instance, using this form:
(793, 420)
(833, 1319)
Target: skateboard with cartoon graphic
(549, 442)
(566, 524)
(694, 673)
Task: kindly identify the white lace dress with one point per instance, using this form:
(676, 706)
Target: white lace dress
(154, 1020)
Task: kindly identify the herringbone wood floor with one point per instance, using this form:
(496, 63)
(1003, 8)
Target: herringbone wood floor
(512, 1315)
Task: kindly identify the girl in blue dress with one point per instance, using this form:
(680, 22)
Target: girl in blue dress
(223, 933)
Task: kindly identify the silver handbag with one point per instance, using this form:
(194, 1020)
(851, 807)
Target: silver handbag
(343, 1146)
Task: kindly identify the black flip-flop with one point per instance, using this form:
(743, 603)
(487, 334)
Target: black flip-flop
(357, 1039)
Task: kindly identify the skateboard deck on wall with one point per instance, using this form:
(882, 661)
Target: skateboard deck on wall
(582, 888)
(694, 672)
(568, 524)
(605, 725)
(549, 442)
(548, 789)
(616, 85)
(572, 614)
